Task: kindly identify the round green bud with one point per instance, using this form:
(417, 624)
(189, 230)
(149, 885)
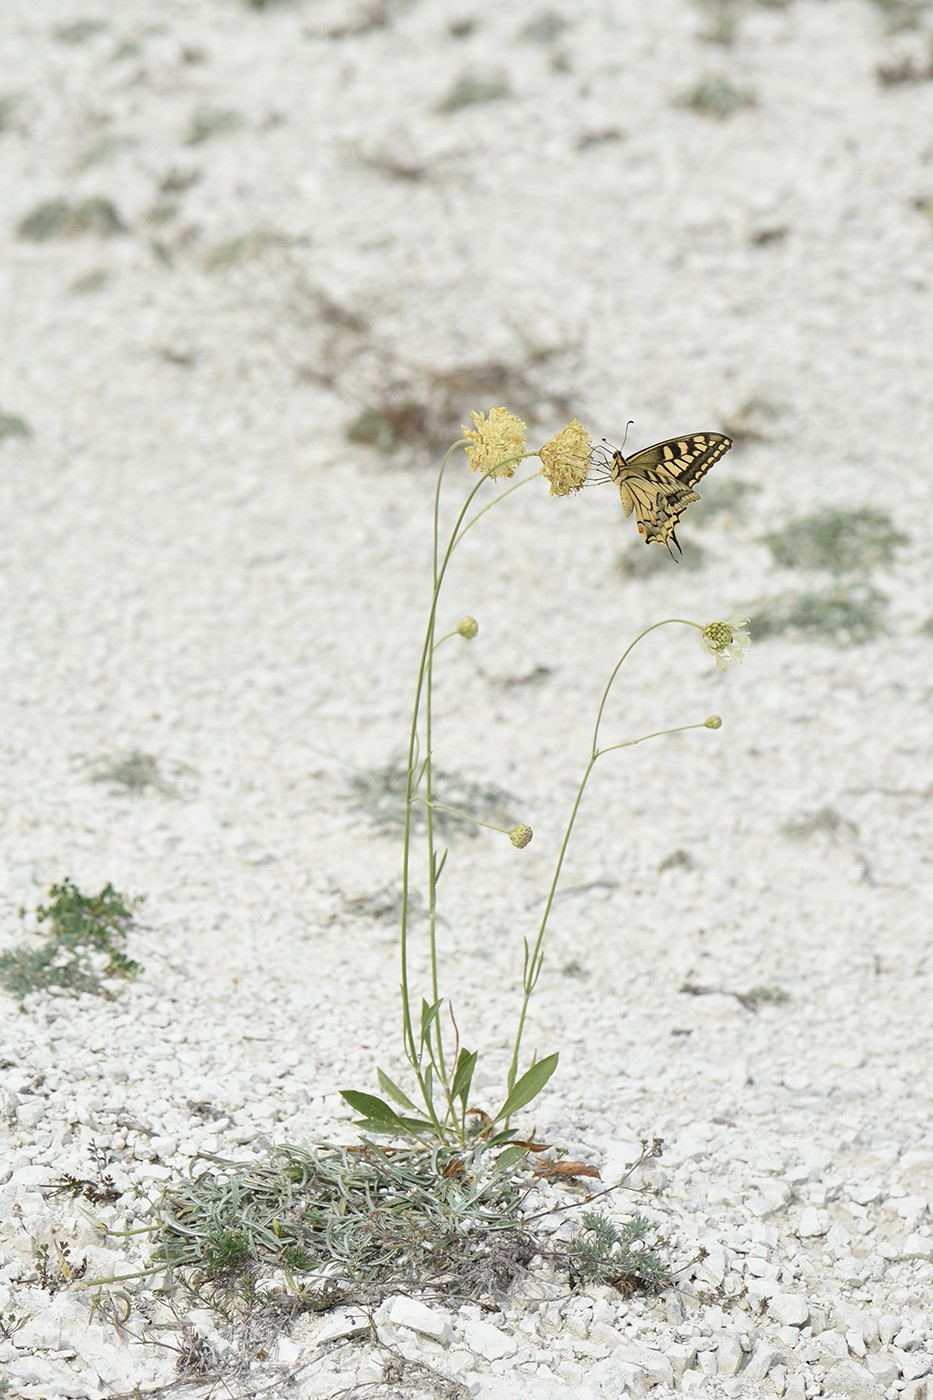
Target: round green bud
(714, 722)
(468, 627)
(520, 836)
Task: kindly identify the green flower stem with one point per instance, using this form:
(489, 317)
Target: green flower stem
(423, 689)
(467, 817)
(502, 495)
(534, 959)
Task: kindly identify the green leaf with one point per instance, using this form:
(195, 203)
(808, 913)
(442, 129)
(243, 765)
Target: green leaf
(428, 1017)
(378, 1117)
(528, 1087)
(374, 1109)
(463, 1076)
(509, 1156)
(394, 1092)
(406, 1127)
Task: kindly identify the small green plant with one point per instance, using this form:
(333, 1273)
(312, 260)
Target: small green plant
(388, 426)
(84, 944)
(474, 92)
(78, 31)
(209, 122)
(839, 541)
(847, 614)
(758, 996)
(12, 426)
(9, 102)
(345, 1224)
(825, 822)
(58, 218)
(133, 771)
(99, 1189)
(102, 151)
(56, 1268)
(605, 1253)
(443, 1070)
(716, 96)
(247, 248)
(902, 14)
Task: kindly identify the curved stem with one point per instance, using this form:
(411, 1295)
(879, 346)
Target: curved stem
(423, 690)
(466, 816)
(534, 959)
(615, 670)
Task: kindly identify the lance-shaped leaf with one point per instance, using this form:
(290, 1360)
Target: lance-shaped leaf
(394, 1092)
(379, 1117)
(463, 1076)
(528, 1087)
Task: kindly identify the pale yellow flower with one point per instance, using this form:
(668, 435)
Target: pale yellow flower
(468, 627)
(565, 460)
(496, 438)
(520, 836)
(725, 640)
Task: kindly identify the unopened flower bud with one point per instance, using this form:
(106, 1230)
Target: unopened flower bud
(520, 836)
(468, 627)
(714, 722)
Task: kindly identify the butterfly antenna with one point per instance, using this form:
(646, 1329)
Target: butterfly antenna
(629, 424)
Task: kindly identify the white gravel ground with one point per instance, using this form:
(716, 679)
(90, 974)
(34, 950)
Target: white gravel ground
(197, 565)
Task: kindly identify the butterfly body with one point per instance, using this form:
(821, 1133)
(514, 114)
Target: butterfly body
(657, 483)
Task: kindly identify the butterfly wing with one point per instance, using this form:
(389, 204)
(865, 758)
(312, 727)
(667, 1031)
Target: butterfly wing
(657, 483)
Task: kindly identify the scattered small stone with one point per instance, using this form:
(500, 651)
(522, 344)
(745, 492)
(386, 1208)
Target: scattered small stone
(919, 1246)
(729, 1353)
(789, 1309)
(409, 1312)
(760, 1362)
(488, 1341)
(812, 1223)
(849, 1379)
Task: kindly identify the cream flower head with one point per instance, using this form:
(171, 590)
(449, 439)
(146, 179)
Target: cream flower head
(565, 460)
(725, 640)
(495, 439)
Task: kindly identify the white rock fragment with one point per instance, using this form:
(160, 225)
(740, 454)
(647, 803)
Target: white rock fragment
(729, 1353)
(919, 1246)
(812, 1223)
(682, 1357)
(863, 1194)
(849, 1379)
(409, 1312)
(916, 1390)
(655, 1364)
(789, 1309)
(30, 1112)
(915, 1364)
(632, 1377)
(760, 1362)
(856, 1343)
(488, 1341)
(883, 1369)
(712, 1269)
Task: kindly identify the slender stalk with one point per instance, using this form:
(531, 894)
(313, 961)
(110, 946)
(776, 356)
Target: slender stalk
(466, 816)
(423, 689)
(534, 959)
